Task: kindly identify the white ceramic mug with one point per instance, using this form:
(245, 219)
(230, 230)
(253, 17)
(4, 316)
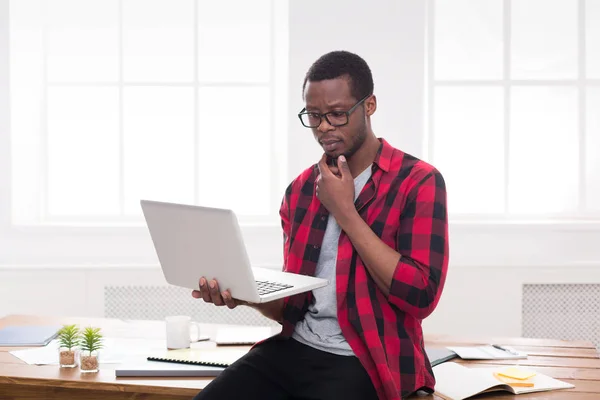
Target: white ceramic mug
(180, 330)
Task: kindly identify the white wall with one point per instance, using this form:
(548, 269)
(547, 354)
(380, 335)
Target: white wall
(489, 262)
(390, 36)
(476, 301)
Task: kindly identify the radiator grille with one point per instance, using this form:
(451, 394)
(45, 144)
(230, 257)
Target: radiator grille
(562, 311)
(157, 302)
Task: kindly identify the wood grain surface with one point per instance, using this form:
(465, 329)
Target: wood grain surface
(576, 362)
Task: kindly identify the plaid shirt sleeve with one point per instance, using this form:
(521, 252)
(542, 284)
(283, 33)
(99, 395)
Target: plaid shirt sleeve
(422, 242)
(294, 306)
(284, 214)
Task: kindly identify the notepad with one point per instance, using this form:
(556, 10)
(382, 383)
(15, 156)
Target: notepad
(219, 357)
(248, 335)
(27, 336)
(516, 373)
(513, 381)
(456, 382)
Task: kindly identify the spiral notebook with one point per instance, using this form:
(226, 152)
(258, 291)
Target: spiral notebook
(211, 357)
(161, 369)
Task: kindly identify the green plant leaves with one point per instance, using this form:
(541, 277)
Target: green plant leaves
(90, 339)
(68, 336)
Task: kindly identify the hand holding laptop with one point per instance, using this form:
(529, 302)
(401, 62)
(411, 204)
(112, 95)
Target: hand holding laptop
(210, 293)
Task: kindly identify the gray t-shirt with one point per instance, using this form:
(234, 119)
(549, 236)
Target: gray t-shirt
(320, 328)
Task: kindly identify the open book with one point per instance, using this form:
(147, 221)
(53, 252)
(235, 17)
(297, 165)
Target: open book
(455, 382)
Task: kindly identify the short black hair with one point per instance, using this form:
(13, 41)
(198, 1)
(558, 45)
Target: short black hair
(341, 63)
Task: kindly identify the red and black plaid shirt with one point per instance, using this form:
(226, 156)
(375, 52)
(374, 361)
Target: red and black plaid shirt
(404, 203)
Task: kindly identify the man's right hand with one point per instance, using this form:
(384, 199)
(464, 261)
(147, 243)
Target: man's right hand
(210, 293)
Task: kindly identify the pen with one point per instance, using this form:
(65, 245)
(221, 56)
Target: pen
(497, 346)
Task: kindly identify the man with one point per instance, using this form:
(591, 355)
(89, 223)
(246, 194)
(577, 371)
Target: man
(373, 221)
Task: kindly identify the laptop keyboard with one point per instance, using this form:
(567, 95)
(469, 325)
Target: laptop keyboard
(266, 287)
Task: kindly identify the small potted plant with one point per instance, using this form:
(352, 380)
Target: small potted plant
(90, 343)
(68, 339)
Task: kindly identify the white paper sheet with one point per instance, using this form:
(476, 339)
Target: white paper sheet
(114, 351)
(487, 353)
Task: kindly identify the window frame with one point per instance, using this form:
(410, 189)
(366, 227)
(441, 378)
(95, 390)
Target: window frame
(127, 244)
(581, 217)
(276, 86)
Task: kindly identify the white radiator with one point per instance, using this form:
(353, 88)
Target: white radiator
(157, 302)
(562, 311)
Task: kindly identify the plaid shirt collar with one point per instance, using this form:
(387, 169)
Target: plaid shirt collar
(383, 159)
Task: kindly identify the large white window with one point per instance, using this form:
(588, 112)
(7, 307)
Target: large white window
(112, 101)
(514, 94)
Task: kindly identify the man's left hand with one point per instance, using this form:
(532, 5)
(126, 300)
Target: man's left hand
(336, 193)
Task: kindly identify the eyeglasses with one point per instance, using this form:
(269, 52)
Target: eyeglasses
(333, 118)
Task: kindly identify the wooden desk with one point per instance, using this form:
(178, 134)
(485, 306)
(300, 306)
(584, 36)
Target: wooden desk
(576, 362)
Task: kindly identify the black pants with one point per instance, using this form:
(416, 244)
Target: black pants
(288, 369)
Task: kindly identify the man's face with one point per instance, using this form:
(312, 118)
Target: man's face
(334, 95)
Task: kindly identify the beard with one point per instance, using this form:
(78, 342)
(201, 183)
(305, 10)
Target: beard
(357, 141)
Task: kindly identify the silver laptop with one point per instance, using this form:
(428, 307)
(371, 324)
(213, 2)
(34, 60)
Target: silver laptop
(194, 241)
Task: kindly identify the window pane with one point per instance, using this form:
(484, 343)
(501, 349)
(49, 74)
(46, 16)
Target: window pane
(83, 151)
(26, 44)
(159, 145)
(592, 27)
(468, 39)
(82, 40)
(544, 149)
(234, 40)
(26, 60)
(26, 154)
(469, 147)
(544, 39)
(235, 151)
(593, 149)
(158, 40)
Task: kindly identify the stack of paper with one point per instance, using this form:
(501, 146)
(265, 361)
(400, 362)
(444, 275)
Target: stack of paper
(114, 351)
